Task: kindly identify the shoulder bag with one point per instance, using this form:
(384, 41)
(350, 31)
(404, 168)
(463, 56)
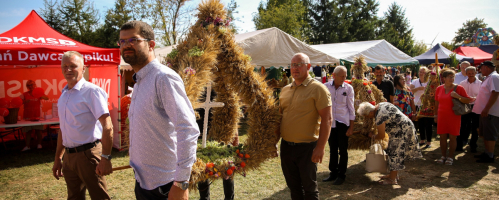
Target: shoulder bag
(459, 107)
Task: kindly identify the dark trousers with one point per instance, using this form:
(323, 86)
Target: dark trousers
(425, 126)
(469, 124)
(299, 170)
(159, 193)
(338, 141)
(204, 189)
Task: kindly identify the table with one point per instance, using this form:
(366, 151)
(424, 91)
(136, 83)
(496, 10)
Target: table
(31, 123)
(27, 123)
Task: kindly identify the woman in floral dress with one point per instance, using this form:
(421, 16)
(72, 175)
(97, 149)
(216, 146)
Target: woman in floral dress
(403, 142)
(404, 99)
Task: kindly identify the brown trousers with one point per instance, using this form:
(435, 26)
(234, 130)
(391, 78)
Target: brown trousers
(79, 172)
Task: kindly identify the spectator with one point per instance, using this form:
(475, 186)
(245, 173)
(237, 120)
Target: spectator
(342, 95)
(448, 122)
(408, 78)
(461, 76)
(303, 104)
(486, 105)
(425, 124)
(469, 122)
(383, 84)
(404, 99)
(403, 142)
(32, 112)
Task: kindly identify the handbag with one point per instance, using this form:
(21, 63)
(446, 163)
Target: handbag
(376, 159)
(460, 108)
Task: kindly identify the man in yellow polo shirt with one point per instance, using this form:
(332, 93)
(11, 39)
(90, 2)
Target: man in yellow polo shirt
(305, 106)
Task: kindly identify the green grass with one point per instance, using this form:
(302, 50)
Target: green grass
(28, 175)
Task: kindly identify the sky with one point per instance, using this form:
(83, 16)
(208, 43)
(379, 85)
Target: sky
(431, 20)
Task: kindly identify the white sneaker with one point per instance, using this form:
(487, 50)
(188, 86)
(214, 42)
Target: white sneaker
(25, 149)
(39, 146)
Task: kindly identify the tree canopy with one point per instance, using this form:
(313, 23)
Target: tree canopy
(469, 29)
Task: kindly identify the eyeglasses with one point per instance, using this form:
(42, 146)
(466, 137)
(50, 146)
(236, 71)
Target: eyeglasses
(297, 65)
(131, 41)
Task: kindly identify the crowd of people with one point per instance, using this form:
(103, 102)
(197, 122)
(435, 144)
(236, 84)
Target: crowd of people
(164, 132)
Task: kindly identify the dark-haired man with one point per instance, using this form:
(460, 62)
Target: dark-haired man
(385, 85)
(163, 129)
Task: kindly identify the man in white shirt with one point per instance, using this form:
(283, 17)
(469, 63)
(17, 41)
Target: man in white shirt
(487, 106)
(163, 129)
(84, 121)
(460, 77)
(469, 122)
(342, 96)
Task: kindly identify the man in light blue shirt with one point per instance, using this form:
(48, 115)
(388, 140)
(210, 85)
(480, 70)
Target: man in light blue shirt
(163, 129)
(342, 96)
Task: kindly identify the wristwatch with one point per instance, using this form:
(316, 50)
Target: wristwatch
(182, 185)
(108, 157)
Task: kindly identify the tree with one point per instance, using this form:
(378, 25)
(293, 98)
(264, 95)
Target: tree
(395, 28)
(170, 20)
(419, 48)
(79, 20)
(286, 15)
(51, 15)
(108, 33)
(448, 45)
(231, 10)
(341, 20)
(469, 29)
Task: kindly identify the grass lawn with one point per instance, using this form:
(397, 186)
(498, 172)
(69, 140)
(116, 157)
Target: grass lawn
(28, 175)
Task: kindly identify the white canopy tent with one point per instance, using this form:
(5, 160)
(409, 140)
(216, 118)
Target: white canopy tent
(267, 47)
(375, 51)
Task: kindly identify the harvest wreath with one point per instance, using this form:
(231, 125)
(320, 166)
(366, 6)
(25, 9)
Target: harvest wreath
(209, 55)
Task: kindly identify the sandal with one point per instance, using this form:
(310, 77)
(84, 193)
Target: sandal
(441, 160)
(449, 161)
(388, 182)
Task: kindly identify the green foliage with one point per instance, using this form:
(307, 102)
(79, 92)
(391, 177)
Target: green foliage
(52, 15)
(215, 152)
(195, 51)
(287, 15)
(453, 60)
(108, 33)
(341, 20)
(448, 45)
(79, 20)
(469, 29)
(231, 10)
(172, 54)
(419, 48)
(395, 28)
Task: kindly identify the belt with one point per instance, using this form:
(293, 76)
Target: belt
(298, 144)
(82, 147)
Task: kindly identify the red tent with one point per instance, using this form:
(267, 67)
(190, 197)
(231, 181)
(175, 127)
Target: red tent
(33, 50)
(478, 55)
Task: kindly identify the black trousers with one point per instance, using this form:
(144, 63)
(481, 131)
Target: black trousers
(425, 126)
(469, 124)
(299, 170)
(204, 189)
(159, 193)
(338, 145)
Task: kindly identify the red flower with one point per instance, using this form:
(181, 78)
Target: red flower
(373, 103)
(364, 83)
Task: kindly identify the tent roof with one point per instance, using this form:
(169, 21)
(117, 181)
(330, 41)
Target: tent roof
(34, 42)
(478, 55)
(375, 51)
(443, 56)
(270, 47)
(489, 48)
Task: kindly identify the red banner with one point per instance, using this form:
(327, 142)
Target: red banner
(106, 77)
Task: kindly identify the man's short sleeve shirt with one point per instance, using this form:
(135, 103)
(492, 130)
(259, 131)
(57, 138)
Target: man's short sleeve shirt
(300, 105)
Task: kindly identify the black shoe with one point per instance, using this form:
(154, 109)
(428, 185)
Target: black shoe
(339, 181)
(485, 160)
(329, 179)
(473, 150)
(483, 155)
